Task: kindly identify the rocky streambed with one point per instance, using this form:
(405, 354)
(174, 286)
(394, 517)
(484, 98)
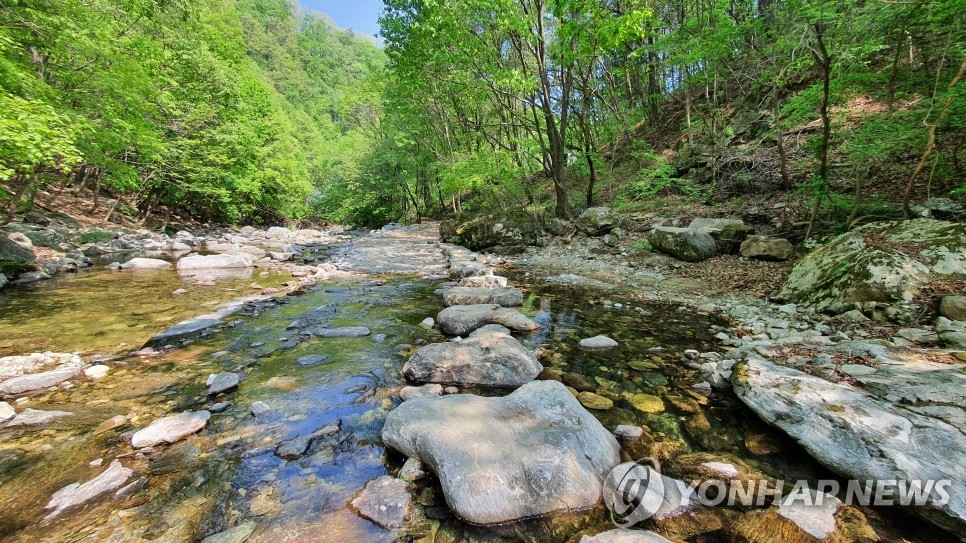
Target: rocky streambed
(397, 388)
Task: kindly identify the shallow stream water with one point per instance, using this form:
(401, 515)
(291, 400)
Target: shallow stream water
(229, 472)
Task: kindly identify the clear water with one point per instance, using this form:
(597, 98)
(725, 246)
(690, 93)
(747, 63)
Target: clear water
(228, 472)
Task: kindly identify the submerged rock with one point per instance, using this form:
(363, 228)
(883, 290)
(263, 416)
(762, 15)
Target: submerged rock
(491, 359)
(345, 331)
(504, 296)
(385, 501)
(857, 434)
(37, 381)
(293, 448)
(529, 453)
(238, 534)
(460, 320)
(170, 429)
(37, 417)
(79, 493)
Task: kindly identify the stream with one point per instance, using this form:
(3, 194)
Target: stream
(230, 473)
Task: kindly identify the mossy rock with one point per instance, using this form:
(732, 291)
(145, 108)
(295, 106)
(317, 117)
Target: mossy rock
(502, 233)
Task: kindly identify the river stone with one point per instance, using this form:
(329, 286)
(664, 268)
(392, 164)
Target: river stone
(492, 359)
(170, 429)
(714, 225)
(145, 264)
(646, 403)
(621, 535)
(223, 382)
(426, 391)
(627, 433)
(498, 328)
(596, 221)
(37, 381)
(238, 534)
(683, 243)
(412, 470)
(597, 343)
(293, 448)
(677, 497)
(76, 494)
(505, 296)
(385, 501)
(483, 281)
(460, 320)
(856, 434)
(594, 401)
(97, 372)
(6, 412)
(37, 417)
(765, 248)
(311, 359)
(345, 331)
(427, 324)
(526, 454)
(852, 269)
(11, 250)
(206, 262)
(13, 366)
(953, 308)
(814, 513)
(114, 422)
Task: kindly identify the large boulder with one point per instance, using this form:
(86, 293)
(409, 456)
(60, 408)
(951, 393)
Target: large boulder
(858, 434)
(685, 243)
(714, 225)
(527, 454)
(460, 320)
(765, 248)
(597, 221)
(13, 252)
(502, 233)
(953, 307)
(886, 263)
(504, 296)
(490, 359)
(207, 262)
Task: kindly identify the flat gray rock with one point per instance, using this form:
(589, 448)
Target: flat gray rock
(345, 331)
(505, 296)
(311, 359)
(170, 429)
(145, 264)
(37, 417)
(492, 359)
(857, 434)
(385, 501)
(37, 381)
(532, 452)
(223, 382)
(624, 536)
(77, 494)
(425, 391)
(460, 320)
(293, 448)
(194, 327)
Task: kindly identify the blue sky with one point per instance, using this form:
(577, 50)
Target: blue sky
(359, 15)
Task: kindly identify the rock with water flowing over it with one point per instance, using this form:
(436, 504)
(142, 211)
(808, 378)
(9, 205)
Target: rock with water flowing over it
(37, 417)
(221, 261)
(492, 359)
(505, 296)
(145, 264)
(238, 534)
(385, 501)
(624, 536)
(526, 454)
(37, 381)
(170, 429)
(460, 320)
(860, 435)
(345, 331)
(684, 243)
(77, 494)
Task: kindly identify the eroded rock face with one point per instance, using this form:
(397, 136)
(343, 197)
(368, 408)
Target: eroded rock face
(857, 434)
(490, 359)
(504, 296)
(533, 452)
(688, 244)
(887, 263)
(460, 320)
(170, 429)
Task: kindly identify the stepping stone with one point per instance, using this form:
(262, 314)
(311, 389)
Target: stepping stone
(460, 320)
(491, 359)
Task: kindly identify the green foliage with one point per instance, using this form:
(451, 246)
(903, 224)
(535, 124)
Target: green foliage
(642, 246)
(94, 235)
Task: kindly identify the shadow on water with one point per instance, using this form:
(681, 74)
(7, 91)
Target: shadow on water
(230, 471)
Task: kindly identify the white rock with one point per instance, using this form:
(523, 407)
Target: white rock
(202, 262)
(597, 343)
(145, 264)
(720, 468)
(79, 493)
(97, 372)
(814, 513)
(7, 412)
(170, 429)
